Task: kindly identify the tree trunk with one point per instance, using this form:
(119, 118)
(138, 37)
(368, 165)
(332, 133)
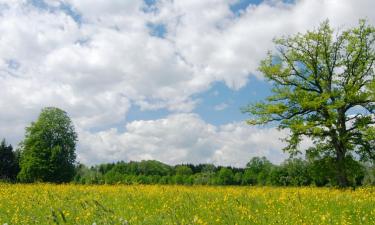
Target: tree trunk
(341, 171)
(341, 175)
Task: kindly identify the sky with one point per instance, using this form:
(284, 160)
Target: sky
(152, 79)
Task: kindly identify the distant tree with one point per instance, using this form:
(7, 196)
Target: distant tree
(369, 178)
(296, 172)
(182, 174)
(85, 175)
(257, 171)
(79, 173)
(124, 168)
(183, 170)
(225, 176)
(8, 162)
(277, 176)
(48, 150)
(258, 164)
(104, 168)
(324, 88)
(208, 168)
(206, 174)
(153, 167)
(238, 178)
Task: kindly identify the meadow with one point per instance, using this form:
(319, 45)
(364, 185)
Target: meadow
(153, 204)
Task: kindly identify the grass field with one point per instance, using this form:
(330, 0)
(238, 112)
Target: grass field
(72, 204)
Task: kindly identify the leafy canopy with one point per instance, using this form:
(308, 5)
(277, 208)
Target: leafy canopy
(48, 150)
(323, 88)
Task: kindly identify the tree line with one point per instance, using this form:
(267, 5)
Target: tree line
(258, 171)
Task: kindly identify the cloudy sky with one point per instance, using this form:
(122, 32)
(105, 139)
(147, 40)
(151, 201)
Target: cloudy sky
(152, 79)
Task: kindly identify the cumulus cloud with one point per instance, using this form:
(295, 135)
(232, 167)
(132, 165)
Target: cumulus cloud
(97, 60)
(183, 138)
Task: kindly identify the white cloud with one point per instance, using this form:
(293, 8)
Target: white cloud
(99, 67)
(183, 138)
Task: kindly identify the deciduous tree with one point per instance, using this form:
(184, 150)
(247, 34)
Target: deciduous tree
(48, 150)
(323, 88)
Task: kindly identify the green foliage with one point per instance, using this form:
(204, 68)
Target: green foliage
(257, 171)
(156, 173)
(323, 171)
(225, 176)
(238, 178)
(8, 162)
(296, 173)
(153, 167)
(369, 178)
(206, 175)
(48, 150)
(323, 88)
(183, 175)
(183, 170)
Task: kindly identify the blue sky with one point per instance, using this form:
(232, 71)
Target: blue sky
(161, 80)
(255, 90)
(209, 102)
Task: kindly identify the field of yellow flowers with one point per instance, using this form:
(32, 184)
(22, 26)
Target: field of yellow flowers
(76, 204)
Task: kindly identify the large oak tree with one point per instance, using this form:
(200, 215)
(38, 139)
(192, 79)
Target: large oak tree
(324, 89)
